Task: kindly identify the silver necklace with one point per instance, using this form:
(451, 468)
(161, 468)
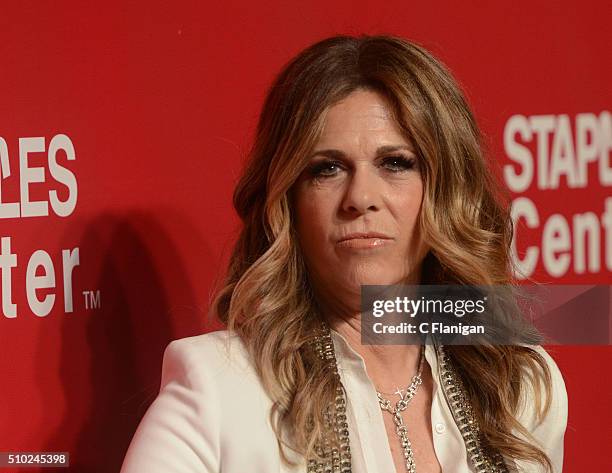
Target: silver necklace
(396, 412)
(338, 460)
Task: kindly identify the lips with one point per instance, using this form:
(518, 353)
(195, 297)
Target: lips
(364, 241)
(365, 235)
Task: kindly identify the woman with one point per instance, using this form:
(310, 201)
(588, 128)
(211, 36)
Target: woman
(367, 168)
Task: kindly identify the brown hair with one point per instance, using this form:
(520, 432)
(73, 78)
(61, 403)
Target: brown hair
(267, 298)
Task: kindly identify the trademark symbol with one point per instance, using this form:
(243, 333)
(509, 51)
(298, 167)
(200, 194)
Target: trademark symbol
(92, 299)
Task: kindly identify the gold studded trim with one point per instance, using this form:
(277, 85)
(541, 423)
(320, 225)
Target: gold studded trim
(483, 459)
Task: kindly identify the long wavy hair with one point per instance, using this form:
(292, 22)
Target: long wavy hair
(267, 298)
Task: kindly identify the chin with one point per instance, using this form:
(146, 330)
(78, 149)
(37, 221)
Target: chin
(374, 280)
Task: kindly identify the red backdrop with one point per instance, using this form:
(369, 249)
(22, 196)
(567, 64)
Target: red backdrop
(124, 126)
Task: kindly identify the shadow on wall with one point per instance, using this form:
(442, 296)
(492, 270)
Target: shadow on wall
(110, 365)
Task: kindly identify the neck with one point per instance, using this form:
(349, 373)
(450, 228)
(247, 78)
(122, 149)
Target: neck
(388, 366)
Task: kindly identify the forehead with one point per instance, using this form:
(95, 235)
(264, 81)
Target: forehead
(360, 115)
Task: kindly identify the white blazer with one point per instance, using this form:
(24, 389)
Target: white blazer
(211, 416)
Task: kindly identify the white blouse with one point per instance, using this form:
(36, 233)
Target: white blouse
(212, 415)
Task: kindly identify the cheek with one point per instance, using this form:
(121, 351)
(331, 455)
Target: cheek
(407, 208)
(411, 209)
(312, 220)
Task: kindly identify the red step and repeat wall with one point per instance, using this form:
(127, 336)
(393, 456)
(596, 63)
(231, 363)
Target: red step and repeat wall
(123, 128)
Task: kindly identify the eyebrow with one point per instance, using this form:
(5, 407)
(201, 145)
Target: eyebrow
(336, 153)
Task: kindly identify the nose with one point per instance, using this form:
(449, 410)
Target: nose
(362, 191)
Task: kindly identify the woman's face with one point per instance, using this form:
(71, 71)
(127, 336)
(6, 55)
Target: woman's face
(358, 200)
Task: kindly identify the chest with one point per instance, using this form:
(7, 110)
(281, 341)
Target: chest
(417, 420)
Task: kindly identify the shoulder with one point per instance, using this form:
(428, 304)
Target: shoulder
(208, 388)
(214, 355)
(558, 392)
(212, 377)
(548, 431)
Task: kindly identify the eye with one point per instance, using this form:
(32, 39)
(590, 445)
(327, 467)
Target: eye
(399, 163)
(327, 168)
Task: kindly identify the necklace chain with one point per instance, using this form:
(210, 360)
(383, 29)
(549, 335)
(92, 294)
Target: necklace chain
(338, 459)
(396, 412)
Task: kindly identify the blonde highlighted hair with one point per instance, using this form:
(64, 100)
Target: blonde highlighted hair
(267, 296)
